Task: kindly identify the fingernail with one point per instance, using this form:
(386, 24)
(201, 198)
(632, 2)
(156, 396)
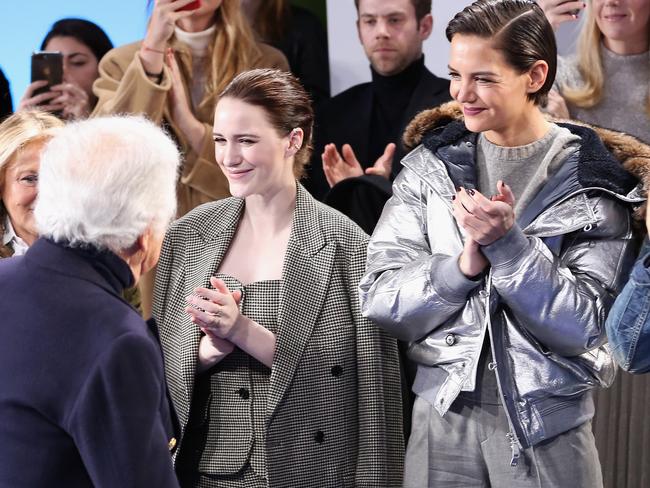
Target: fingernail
(471, 192)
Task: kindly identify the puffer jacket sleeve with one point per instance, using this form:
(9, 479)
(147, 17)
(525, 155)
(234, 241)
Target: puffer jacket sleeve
(381, 440)
(399, 291)
(563, 299)
(628, 324)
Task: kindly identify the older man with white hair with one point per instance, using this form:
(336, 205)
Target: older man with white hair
(83, 400)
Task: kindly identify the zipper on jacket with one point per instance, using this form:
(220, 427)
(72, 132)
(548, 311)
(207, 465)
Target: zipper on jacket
(515, 445)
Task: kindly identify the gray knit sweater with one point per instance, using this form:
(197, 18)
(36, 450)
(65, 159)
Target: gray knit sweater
(625, 92)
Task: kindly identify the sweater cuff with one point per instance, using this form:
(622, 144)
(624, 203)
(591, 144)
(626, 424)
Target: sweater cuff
(507, 249)
(451, 283)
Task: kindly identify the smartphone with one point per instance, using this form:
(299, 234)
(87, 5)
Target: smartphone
(47, 65)
(190, 6)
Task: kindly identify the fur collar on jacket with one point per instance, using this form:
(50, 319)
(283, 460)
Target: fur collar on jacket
(631, 153)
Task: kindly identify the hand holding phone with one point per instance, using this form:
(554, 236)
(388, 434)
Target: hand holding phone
(190, 6)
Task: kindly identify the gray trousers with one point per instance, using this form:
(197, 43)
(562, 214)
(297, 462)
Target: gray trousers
(468, 448)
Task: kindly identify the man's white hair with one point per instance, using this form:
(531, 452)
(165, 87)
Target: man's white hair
(104, 181)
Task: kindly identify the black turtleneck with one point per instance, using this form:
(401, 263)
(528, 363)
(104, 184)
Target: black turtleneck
(391, 96)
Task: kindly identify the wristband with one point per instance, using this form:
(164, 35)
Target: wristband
(147, 48)
(158, 77)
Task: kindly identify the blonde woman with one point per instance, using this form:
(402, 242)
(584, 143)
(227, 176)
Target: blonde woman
(606, 82)
(174, 76)
(22, 137)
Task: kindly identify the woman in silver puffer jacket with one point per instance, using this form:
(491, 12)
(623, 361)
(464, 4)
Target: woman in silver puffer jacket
(498, 256)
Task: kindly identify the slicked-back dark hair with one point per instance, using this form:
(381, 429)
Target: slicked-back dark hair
(285, 101)
(422, 7)
(520, 30)
(84, 31)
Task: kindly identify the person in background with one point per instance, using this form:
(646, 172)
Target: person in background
(6, 107)
(357, 145)
(606, 82)
(174, 75)
(83, 45)
(300, 35)
(358, 133)
(22, 138)
(83, 399)
(504, 245)
(277, 379)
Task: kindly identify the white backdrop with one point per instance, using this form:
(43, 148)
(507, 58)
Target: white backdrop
(349, 65)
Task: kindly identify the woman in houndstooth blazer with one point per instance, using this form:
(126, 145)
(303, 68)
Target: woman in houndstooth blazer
(277, 379)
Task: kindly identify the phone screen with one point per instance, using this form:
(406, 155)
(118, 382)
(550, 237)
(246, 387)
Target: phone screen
(47, 65)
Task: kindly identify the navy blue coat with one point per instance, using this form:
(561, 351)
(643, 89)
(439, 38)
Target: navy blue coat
(82, 395)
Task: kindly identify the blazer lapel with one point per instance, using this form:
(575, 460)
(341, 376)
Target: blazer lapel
(306, 273)
(198, 272)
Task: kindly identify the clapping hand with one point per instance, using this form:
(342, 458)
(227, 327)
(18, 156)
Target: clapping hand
(216, 310)
(339, 167)
(484, 220)
(560, 11)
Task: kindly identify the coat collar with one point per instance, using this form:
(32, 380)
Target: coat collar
(607, 160)
(306, 271)
(612, 151)
(102, 268)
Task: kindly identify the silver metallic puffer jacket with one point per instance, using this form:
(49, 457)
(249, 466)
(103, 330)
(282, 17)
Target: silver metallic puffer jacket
(548, 292)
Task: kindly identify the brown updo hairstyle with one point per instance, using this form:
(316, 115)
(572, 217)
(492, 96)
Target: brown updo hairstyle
(519, 30)
(285, 102)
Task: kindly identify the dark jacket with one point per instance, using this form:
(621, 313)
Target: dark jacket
(346, 118)
(83, 400)
(305, 46)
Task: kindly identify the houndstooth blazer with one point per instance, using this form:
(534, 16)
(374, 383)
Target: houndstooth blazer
(333, 415)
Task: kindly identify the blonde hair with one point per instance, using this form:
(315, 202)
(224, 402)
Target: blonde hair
(590, 66)
(233, 49)
(17, 132)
